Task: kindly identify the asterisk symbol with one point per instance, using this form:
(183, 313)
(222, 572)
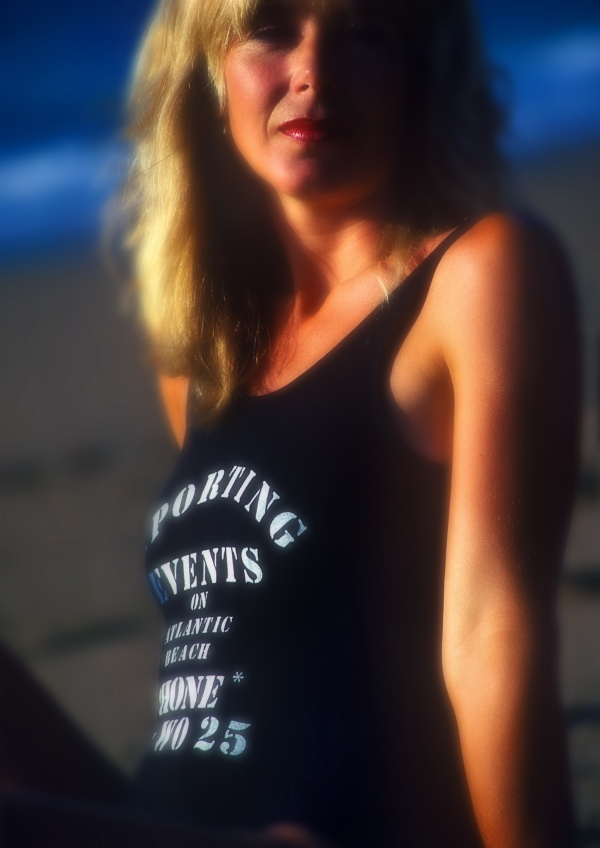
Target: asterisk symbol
(238, 677)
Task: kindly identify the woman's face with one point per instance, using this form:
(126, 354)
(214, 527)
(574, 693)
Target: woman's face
(314, 99)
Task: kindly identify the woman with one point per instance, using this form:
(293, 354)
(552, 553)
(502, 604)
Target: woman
(372, 372)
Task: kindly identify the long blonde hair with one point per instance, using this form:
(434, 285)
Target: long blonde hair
(208, 265)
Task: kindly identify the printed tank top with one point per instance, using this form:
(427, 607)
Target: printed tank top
(296, 555)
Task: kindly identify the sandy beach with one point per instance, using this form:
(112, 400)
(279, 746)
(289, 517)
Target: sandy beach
(83, 452)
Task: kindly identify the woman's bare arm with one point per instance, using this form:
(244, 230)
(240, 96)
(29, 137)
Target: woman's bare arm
(509, 341)
(174, 393)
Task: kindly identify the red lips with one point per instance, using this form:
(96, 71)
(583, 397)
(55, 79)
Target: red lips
(312, 130)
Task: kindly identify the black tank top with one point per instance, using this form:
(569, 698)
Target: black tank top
(296, 552)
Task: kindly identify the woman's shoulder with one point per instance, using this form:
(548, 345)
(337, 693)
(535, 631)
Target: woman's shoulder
(506, 275)
(499, 325)
(509, 249)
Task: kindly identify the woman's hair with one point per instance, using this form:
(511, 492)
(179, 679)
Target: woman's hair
(208, 264)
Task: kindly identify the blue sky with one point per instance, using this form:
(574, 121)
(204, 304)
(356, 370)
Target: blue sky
(64, 64)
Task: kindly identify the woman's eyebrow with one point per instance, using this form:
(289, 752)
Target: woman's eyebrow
(284, 7)
(275, 9)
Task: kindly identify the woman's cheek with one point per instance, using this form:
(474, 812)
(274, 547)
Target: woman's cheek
(254, 86)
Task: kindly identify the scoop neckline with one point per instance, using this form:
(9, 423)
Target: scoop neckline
(376, 311)
(332, 350)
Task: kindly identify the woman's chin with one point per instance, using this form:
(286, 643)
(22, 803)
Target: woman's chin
(324, 184)
(310, 181)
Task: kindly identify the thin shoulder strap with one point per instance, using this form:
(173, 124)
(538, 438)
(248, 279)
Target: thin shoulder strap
(406, 301)
(420, 278)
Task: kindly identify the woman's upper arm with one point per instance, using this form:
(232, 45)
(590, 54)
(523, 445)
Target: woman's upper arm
(509, 339)
(174, 393)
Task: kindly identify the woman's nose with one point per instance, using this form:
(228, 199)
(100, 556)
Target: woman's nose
(313, 68)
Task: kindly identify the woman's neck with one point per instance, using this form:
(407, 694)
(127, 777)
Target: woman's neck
(328, 246)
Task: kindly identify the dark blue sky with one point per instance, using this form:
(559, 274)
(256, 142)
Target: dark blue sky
(66, 61)
(525, 20)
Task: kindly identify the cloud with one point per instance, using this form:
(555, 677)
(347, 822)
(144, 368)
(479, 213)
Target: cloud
(56, 192)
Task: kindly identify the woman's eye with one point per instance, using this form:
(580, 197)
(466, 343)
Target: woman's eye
(372, 35)
(367, 33)
(366, 37)
(272, 33)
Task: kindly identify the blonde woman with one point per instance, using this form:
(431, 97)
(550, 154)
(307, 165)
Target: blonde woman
(372, 372)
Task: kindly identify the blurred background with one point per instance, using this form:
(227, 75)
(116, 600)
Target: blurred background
(83, 446)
